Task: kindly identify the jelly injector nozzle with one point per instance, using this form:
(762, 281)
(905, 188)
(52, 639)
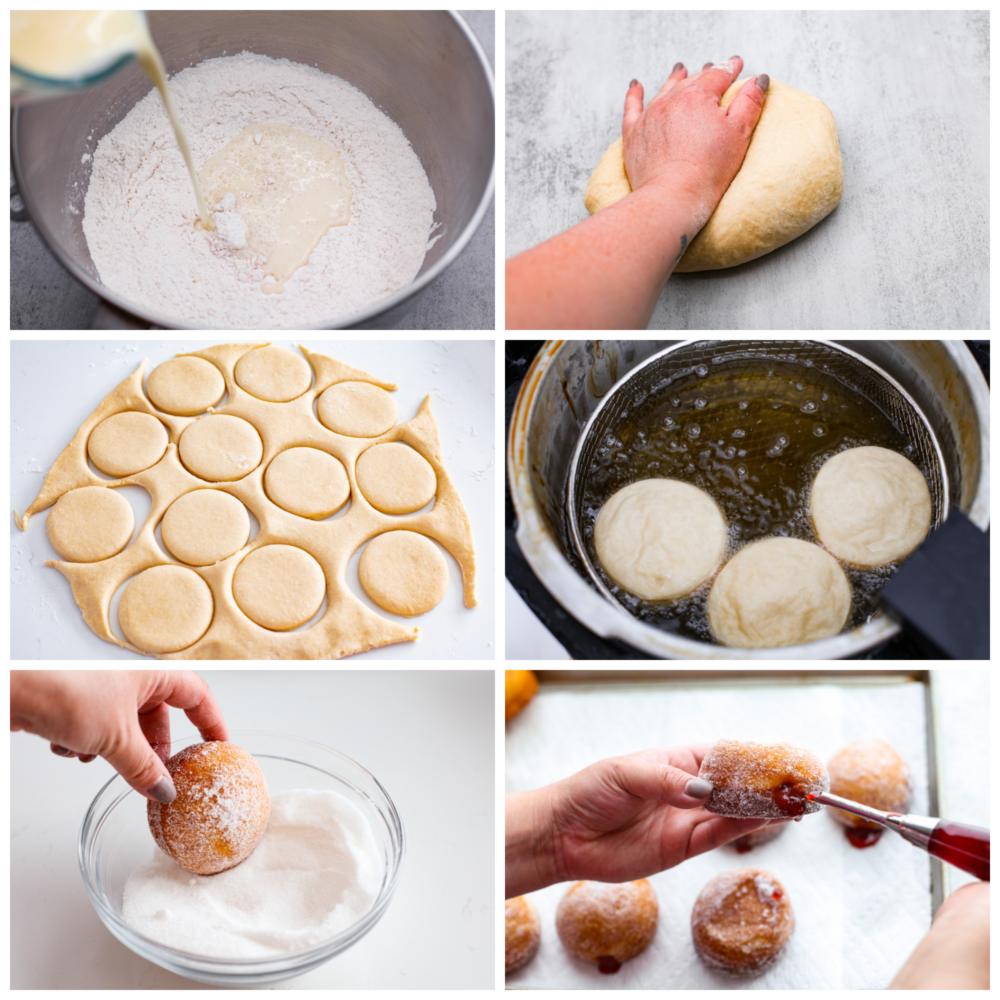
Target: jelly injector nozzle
(966, 847)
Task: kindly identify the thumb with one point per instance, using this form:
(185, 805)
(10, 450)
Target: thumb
(662, 783)
(748, 104)
(633, 106)
(136, 761)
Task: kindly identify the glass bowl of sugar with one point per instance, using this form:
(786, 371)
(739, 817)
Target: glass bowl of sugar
(319, 879)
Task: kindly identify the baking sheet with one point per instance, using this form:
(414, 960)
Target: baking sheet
(859, 913)
(56, 385)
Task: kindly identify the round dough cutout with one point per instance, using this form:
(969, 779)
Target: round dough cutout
(395, 478)
(204, 527)
(778, 592)
(660, 538)
(273, 374)
(166, 609)
(185, 386)
(403, 572)
(357, 409)
(220, 448)
(870, 506)
(127, 443)
(280, 587)
(307, 482)
(90, 524)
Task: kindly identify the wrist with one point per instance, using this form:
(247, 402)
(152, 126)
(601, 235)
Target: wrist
(528, 842)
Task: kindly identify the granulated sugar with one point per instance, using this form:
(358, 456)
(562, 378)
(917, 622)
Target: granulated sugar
(316, 871)
(139, 210)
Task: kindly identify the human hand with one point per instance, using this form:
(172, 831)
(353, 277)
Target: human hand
(120, 715)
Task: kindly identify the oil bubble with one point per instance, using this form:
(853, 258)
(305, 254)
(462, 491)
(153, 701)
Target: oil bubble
(701, 370)
(799, 386)
(728, 453)
(700, 403)
(741, 471)
(742, 453)
(693, 430)
(669, 423)
(739, 432)
(819, 430)
(743, 404)
(779, 445)
(675, 401)
(810, 406)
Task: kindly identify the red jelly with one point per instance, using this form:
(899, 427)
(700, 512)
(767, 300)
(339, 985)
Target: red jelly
(790, 798)
(608, 964)
(862, 838)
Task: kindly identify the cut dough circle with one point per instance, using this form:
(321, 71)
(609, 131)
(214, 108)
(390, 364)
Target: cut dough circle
(357, 409)
(204, 527)
(792, 177)
(273, 374)
(185, 386)
(395, 478)
(778, 592)
(90, 524)
(166, 609)
(870, 506)
(279, 587)
(403, 572)
(127, 443)
(220, 448)
(660, 538)
(307, 482)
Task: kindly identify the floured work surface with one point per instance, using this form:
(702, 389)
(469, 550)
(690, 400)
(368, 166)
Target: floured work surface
(297, 561)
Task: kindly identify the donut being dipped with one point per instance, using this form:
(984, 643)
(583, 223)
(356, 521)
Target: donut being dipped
(220, 812)
(873, 773)
(522, 932)
(607, 923)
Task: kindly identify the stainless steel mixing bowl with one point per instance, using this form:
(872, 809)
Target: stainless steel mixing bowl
(424, 69)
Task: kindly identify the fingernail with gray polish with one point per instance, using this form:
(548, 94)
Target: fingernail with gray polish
(632, 84)
(163, 791)
(677, 68)
(763, 81)
(60, 751)
(699, 788)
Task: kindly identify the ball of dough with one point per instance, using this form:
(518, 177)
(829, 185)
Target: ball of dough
(185, 386)
(279, 587)
(273, 374)
(870, 506)
(742, 921)
(220, 448)
(778, 592)
(127, 443)
(220, 812)
(90, 524)
(307, 482)
(520, 687)
(522, 933)
(403, 572)
(204, 527)
(873, 773)
(607, 924)
(357, 409)
(166, 609)
(660, 538)
(792, 177)
(395, 479)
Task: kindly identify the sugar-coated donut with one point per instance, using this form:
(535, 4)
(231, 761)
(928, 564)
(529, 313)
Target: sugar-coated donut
(762, 780)
(742, 921)
(220, 811)
(519, 688)
(757, 838)
(522, 932)
(873, 773)
(607, 923)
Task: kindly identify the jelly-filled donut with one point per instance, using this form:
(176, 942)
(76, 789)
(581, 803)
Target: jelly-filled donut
(870, 772)
(607, 923)
(522, 932)
(758, 838)
(742, 921)
(220, 811)
(762, 780)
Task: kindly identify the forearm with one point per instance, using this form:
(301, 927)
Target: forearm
(529, 842)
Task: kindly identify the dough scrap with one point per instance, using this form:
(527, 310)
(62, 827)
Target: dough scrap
(185, 386)
(273, 374)
(165, 609)
(307, 482)
(358, 409)
(660, 538)
(778, 592)
(221, 449)
(90, 524)
(404, 573)
(792, 177)
(127, 443)
(279, 587)
(870, 506)
(395, 479)
(204, 527)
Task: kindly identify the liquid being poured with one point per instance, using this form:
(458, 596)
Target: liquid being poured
(286, 187)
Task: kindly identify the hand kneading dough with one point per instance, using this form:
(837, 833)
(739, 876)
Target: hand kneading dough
(870, 506)
(660, 538)
(791, 178)
(778, 592)
(90, 524)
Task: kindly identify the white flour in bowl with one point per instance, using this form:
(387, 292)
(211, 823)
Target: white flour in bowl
(139, 211)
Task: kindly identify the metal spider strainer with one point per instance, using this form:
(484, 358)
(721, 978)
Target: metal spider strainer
(653, 379)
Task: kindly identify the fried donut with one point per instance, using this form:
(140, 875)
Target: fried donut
(757, 838)
(522, 932)
(607, 923)
(220, 811)
(870, 772)
(742, 921)
(762, 780)
(519, 688)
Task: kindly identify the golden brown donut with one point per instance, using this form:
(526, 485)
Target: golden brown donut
(607, 923)
(519, 688)
(742, 921)
(522, 932)
(870, 772)
(220, 811)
